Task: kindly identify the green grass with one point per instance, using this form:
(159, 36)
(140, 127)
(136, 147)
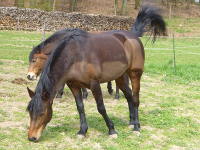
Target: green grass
(16, 45)
(169, 108)
(183, 25)
(160, 59)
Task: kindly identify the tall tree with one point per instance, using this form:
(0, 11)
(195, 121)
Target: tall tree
(116, 6)
(137, 4)
(123, 8)
(19, 3)
(54, 5)
(73, 5)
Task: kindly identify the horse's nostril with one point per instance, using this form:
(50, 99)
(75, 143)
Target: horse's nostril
(28, 76)
(32, 139)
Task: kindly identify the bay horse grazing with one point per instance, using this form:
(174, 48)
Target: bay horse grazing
(87, 59)
(39, 55)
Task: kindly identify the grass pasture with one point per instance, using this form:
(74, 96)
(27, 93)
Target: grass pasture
(169, 108)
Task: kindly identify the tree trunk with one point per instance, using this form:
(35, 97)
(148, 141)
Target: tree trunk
(123, 9)
(116, 6)
(73, 4)
(54, 5)
(137, 4)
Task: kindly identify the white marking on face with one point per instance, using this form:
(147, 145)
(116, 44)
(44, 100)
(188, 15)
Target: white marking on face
(31, 76)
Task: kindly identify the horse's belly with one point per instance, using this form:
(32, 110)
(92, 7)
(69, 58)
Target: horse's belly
(85, 72)
(112, 70)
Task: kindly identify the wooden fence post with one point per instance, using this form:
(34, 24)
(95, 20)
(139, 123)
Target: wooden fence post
(174, 54)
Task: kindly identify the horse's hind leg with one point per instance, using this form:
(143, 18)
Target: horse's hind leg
(109, 87)
(117, 92)
(85, 93)
(80, 106)
(122, 83)
(135, 77)
(96, 91)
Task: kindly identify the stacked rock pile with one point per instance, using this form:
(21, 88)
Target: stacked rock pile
(33, 19)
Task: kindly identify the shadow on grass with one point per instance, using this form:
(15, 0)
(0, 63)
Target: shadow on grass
(71, 127)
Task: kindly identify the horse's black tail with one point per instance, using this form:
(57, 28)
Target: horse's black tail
(149, 20)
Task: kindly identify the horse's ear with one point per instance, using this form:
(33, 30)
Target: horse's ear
(45, 95)
(30, 92)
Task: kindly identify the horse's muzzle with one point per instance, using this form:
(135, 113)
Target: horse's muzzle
(33, 139)
(31, 76)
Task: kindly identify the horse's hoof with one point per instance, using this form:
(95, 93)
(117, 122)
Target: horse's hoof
(136, 133)
(131, 126)
(117, 97)
(110, 92)
(113, 136)
(80, 136)
(85, 96)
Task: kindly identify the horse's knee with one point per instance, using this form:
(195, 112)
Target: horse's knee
(101, 109)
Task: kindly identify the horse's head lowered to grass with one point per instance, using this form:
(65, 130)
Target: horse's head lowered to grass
(40, 112)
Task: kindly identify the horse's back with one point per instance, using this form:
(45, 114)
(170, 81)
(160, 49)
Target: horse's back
(106, 56)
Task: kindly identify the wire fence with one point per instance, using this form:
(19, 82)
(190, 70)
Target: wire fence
(173, 48)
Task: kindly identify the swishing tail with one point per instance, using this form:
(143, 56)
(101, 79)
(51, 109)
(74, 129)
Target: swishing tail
(149, 20)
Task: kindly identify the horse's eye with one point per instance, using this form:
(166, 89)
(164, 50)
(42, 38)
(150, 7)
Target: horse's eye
(34, 60)
(42, 114)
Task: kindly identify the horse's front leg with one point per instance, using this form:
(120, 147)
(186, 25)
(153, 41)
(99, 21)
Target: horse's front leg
(96, 91)
(80, 107)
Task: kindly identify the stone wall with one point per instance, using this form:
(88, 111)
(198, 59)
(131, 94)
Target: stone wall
(33, 19)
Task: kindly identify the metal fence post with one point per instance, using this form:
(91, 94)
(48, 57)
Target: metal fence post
(43, 32)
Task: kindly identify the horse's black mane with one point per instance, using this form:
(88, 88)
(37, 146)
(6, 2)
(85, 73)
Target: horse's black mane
(45, 83)
(53, 37)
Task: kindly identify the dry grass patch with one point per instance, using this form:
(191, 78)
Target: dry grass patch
(163, 107)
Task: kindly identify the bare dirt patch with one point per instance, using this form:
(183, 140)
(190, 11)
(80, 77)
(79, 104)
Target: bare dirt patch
(3, 94)
(1, 80)
(19, 81)
(10, 124)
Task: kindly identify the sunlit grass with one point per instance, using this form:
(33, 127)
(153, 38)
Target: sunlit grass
(169, 107)
(16, 45)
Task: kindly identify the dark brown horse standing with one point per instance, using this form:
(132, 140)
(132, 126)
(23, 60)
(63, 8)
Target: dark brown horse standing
(84, 60)
(39, 55)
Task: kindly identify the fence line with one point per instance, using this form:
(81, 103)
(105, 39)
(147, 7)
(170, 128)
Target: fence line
(43, 28)
(147, 48)
(152, 51)
(177, 37)
(168, 49)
